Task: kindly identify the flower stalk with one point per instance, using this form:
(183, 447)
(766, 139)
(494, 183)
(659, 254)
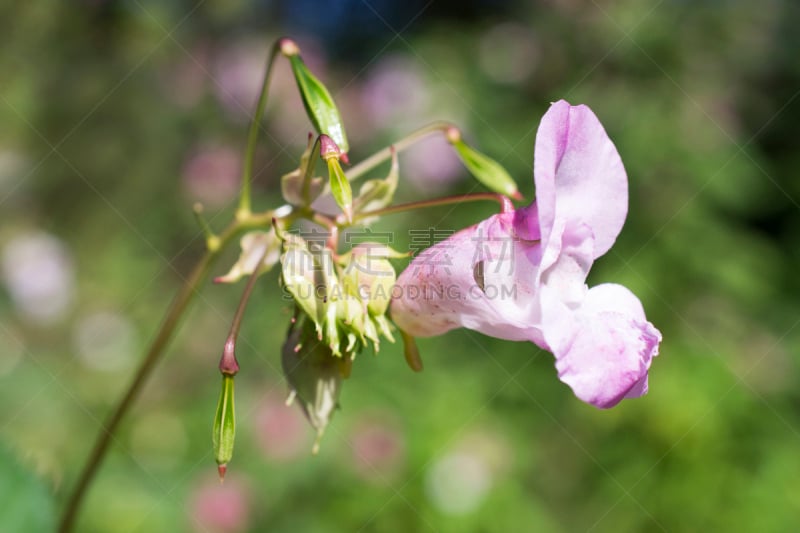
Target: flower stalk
(244, 209)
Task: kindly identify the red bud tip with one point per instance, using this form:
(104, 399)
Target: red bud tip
(288, 47)
(222, 469)
(344, 158)
(517, 196)
(328, 148)
(228, 365)
(218, 279)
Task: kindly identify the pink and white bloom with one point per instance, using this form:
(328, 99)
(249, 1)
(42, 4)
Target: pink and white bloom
(520, 275)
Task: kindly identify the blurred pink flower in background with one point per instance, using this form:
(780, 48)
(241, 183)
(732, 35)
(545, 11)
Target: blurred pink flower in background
(216, 507)
(395, 95)
(378, 448)
(431, 166)
(211, 174)
(39, 274)
(281, 430)
(238, 70)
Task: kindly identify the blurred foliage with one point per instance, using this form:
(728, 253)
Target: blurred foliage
(105, 108)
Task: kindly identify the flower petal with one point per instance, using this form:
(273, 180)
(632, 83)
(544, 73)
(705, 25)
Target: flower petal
(481, 278)
(579, 178)
(603, 351)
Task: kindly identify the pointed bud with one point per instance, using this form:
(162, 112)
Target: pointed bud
(319, 104)
(340, 186)
(486, 170)
(224, 426)
(314, 375)
(411, 352)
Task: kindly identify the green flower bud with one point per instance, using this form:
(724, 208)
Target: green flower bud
(340, 186)
(298, 271)
(314, 375)
(486, 170)
(370, 276)
(224, 425)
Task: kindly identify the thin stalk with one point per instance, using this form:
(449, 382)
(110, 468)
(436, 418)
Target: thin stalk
(154, 353)
(252, 137)
(104, 438)
(505, 204)
(236, 323)
(357, 171)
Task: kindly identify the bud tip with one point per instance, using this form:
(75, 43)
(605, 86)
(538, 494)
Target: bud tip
(328, 148)
(222, 469)
(452, 134)
(288, 47)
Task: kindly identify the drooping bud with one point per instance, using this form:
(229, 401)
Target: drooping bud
(340, 186)
(314, 375)
(224, 431)
(319, 104)
(254, 245)
(486, 170)
(298, 272)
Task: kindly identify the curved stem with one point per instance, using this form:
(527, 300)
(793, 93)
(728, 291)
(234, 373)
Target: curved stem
(505, 204)
(228, 364)
(252, 137)
(164, 335)
(357, 171)
(154, 353)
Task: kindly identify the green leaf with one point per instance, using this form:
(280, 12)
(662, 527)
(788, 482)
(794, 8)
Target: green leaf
(486, 170)
(26, 503)
(319, 104)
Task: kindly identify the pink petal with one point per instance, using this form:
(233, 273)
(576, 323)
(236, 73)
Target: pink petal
(579, 179)
(481, 278)
(604, 352)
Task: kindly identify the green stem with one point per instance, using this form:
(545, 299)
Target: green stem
(505, 204)
(165, 332)
(356, 171)
(154, 353)
(247, 171)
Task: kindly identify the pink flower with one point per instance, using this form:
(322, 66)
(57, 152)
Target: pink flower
(520, 275)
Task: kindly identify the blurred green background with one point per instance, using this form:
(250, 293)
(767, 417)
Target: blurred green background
(116, 116)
